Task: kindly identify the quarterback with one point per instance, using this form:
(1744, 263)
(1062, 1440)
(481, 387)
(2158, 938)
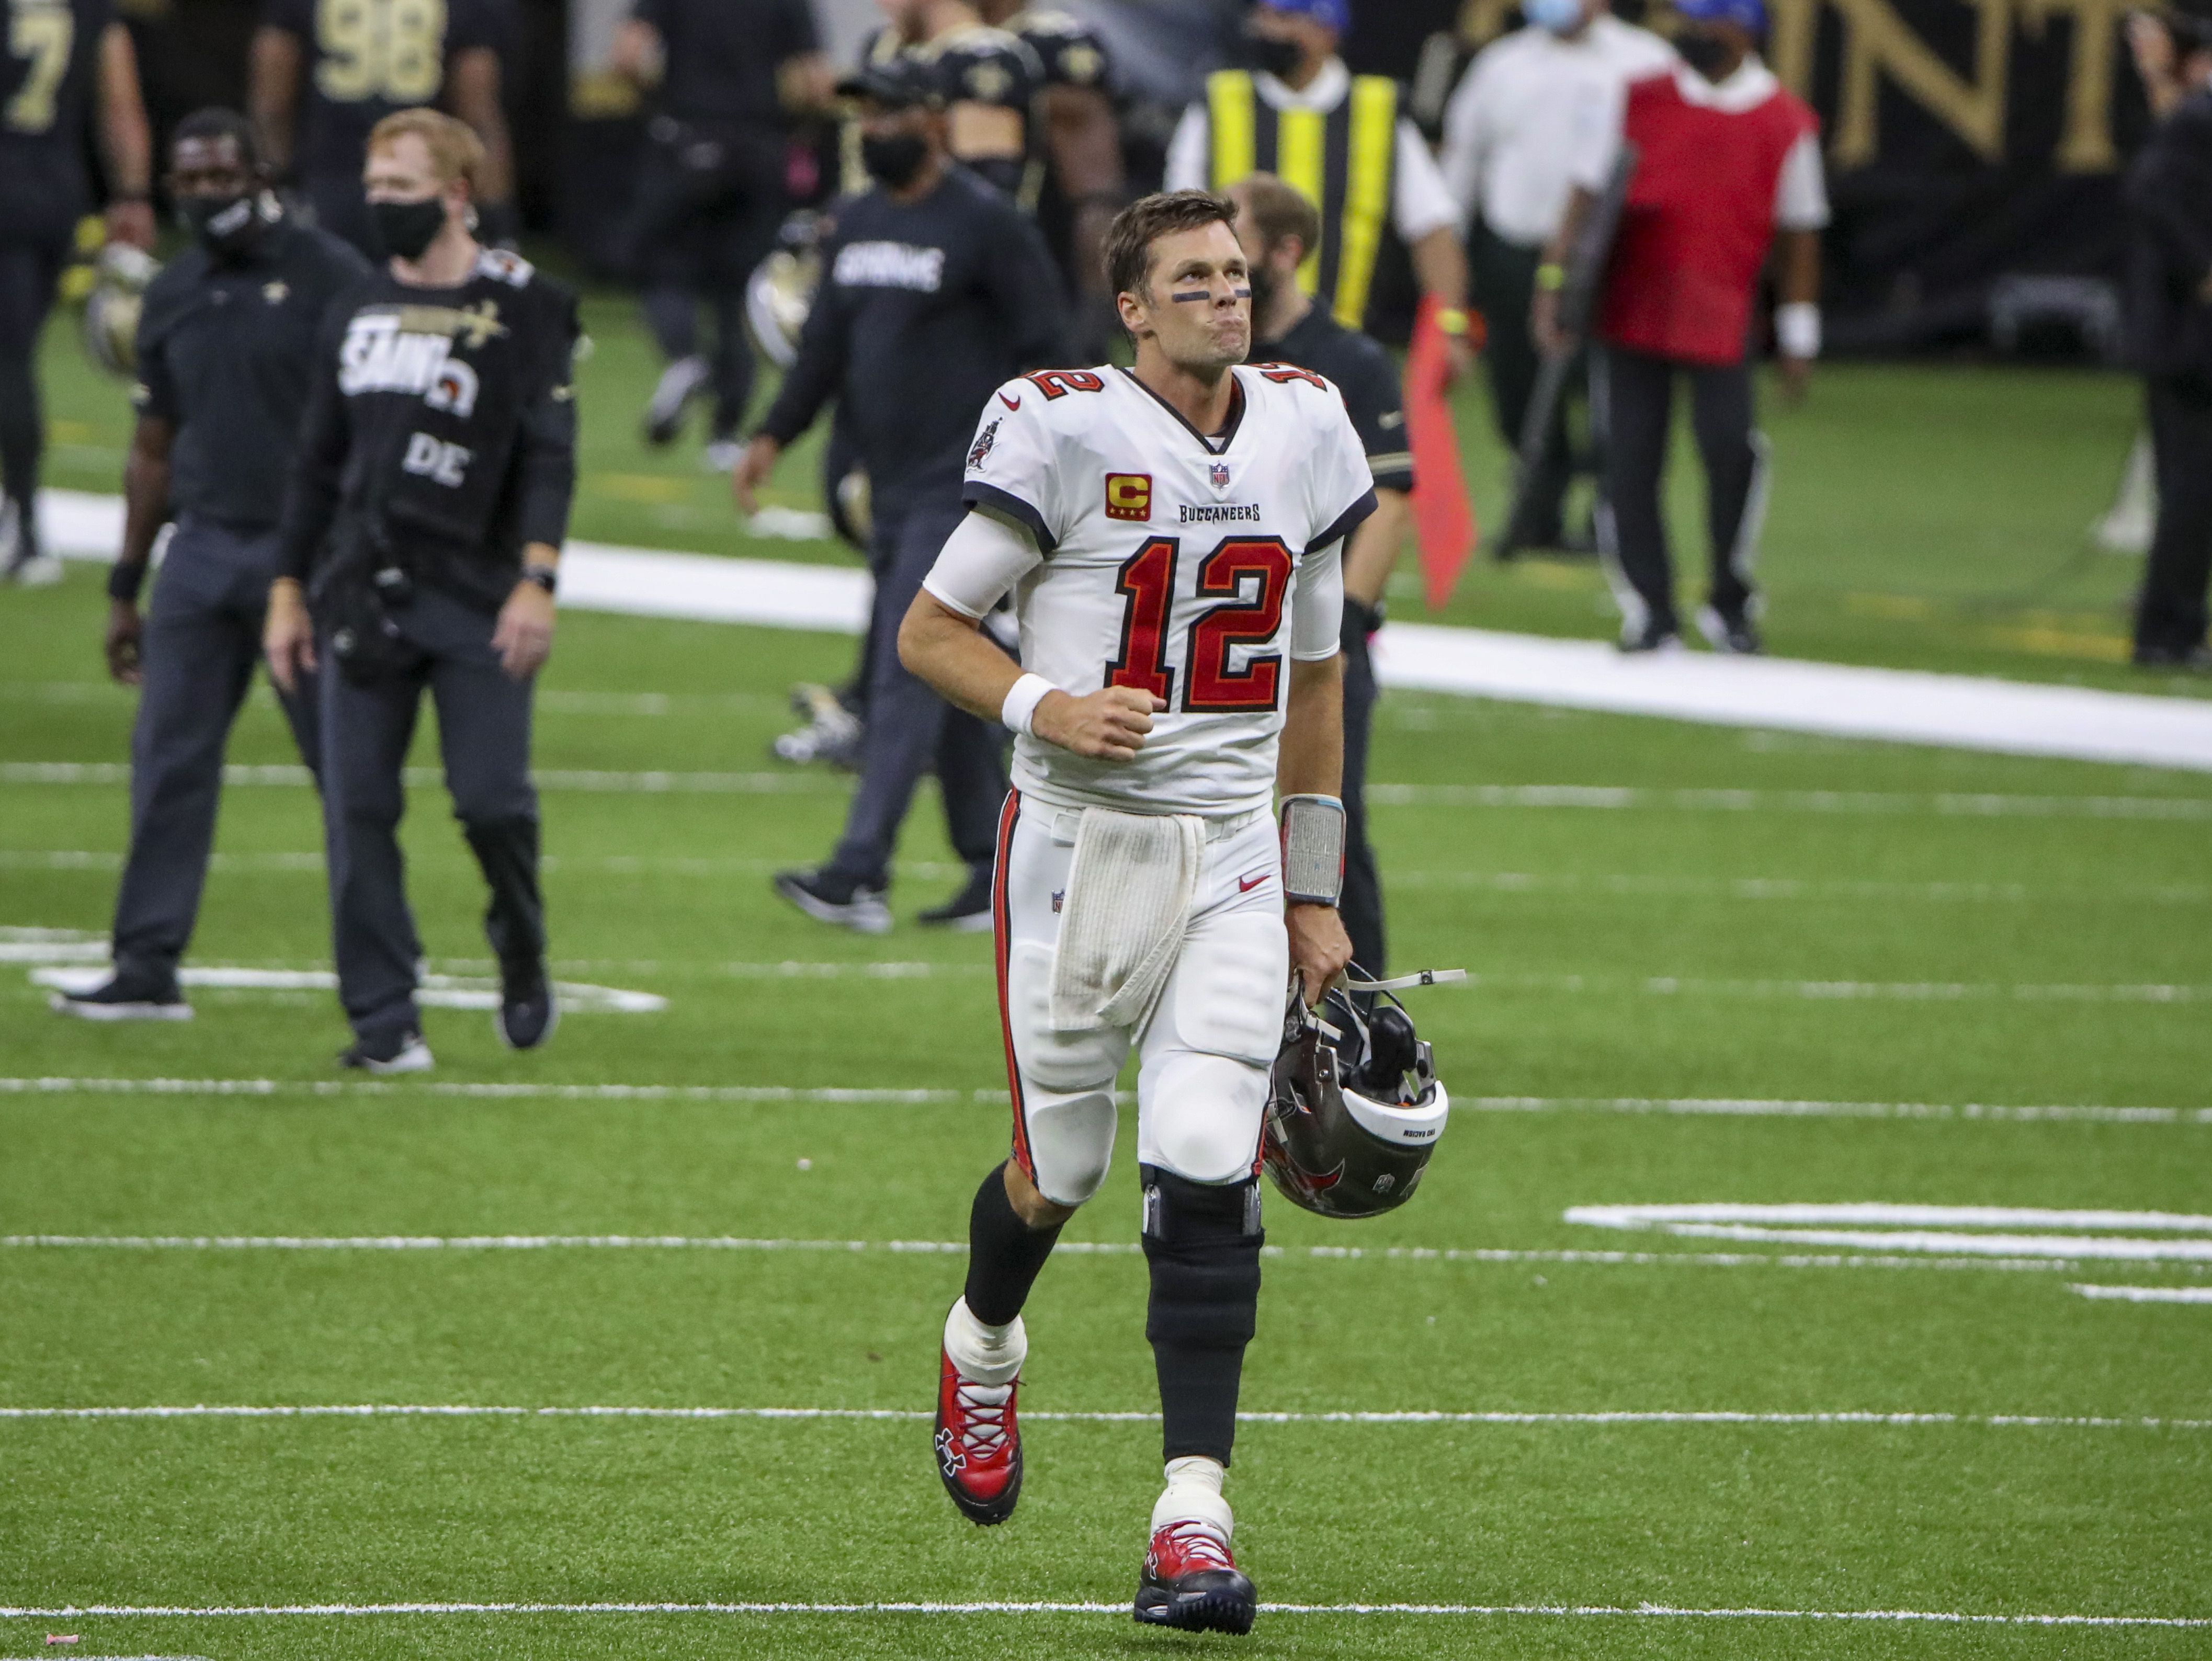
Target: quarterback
(1171, 537)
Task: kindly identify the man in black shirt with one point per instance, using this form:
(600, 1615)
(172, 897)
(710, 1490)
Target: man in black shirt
(324, 72)
(1276, 226)
(935, 290)
(420, 536)
(2169, 197)
(989, 79)
(58, 59)
(225, 347)
(721, 76)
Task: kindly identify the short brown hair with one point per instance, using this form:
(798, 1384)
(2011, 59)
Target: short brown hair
(455, 150)
(1129, 239)
(1281, 210)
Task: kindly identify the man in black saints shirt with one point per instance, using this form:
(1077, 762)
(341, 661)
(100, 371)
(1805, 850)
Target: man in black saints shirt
(324, 72)
(420, 536)
(225, 351)
(1276, 226)
(58, 61)
(722, 78)
(935, 291)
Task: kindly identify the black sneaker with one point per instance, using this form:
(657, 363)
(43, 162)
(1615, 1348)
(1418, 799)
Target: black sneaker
(1651, 638)
(388, 1052)
(680, 383)
(1732, 637)
(967, 912)
(827, 899)
(127, 995)
(528, 1011)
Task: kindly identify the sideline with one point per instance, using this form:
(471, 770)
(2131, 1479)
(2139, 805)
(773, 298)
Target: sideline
(1900, 706)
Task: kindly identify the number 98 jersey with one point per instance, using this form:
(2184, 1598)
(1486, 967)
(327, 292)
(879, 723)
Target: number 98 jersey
(1188, 568)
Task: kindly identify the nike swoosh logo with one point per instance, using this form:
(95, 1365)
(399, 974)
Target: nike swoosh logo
(1246, 884)
(1010, 403)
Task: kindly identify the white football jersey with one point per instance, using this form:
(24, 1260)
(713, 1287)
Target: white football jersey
(1167, 564)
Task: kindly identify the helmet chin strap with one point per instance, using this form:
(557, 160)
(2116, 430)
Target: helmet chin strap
(1400, 983)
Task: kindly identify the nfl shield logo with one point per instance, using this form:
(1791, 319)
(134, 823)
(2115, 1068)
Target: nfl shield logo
(1218, 473)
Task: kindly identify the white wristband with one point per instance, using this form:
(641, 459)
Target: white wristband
(1797, 329)
(1020, 710)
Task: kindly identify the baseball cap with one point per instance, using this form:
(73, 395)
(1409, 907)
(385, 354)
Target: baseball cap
(1745, 13)
(1329, 13)
(901, 83)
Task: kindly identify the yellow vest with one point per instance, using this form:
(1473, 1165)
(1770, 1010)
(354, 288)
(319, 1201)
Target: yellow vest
(1344, 162)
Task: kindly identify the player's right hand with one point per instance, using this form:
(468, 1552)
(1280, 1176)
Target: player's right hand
(287, 638)
(124, 635)
(752, 470)
(1107, 725)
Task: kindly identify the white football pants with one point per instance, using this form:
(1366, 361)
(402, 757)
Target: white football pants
(1204, 1053)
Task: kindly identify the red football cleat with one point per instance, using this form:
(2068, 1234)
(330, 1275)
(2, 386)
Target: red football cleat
(1192, 1583)
(979, 1446)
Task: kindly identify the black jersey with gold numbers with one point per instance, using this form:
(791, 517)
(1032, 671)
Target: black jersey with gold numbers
(49, 61)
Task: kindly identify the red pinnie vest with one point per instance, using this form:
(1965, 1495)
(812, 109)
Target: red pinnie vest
(1699, 220)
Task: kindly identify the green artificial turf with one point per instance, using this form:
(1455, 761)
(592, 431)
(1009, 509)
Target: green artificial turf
(1698, 913)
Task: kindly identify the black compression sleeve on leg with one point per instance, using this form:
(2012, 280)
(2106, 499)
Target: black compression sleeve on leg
(1005, 1254)
(1203, 1244)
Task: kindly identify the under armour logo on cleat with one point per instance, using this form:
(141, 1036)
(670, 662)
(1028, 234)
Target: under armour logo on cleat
(949, 1455)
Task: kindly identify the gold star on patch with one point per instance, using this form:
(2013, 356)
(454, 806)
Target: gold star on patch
(274, 293)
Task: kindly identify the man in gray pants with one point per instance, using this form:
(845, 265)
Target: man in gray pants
(224, 346)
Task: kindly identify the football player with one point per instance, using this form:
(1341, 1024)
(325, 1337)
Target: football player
(990, 80)
(1172, 537)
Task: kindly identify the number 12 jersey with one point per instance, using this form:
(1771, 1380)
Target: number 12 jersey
(1188, 566)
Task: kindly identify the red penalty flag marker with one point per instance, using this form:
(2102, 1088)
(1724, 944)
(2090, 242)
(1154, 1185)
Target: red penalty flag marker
(1443, 514)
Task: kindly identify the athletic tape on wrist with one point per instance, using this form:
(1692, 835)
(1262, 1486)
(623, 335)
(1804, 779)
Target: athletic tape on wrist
(1797, 329)
(1313, 849)
(1018, 712)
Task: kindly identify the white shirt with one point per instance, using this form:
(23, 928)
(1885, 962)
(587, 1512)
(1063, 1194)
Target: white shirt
(1420, 204)
(1801, 194)
(1527, 106)
(1158, 560)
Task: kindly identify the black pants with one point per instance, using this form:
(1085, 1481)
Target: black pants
(2170, 615)
(709, 204)
(28, 273)
(1505, 283)
(910, 729)
(483, 732)
(202, 640)
(1632, 406)
(1362, 906)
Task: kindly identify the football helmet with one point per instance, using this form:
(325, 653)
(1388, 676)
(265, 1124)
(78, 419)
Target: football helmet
(112, 307)
(1355, 1106)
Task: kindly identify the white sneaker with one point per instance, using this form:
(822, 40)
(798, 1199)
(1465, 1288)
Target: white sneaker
(722, 456)
(40, 571)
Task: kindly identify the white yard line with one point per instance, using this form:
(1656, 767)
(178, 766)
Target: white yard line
(1774, 694)
(1688, 1106)
(1936, 1229)
(1471, 1254)
(2147, 1294)
(1557, 1611)
(2189, 809)
(437, 991)
(1413, 1417)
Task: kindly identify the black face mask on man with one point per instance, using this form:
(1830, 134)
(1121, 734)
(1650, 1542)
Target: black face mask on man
(1272, 55)
(1708, 54)
(405, 229)
(226, 225)
(893, 159)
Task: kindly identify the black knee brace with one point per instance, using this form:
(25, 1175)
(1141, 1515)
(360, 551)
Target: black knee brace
(1203, 1244)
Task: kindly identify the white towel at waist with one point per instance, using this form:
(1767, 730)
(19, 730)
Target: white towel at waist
(1130, 885)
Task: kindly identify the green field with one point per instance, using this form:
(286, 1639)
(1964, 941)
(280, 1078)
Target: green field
(1866, 980)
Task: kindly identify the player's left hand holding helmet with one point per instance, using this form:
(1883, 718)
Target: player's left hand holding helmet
(1355, 1107)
